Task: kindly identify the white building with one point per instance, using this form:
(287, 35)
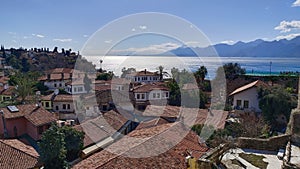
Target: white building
(143, 76)
(246, 97)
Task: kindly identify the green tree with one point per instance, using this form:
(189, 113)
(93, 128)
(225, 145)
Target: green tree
(231, 70)
(127, 71)
(24, 85)
(162, 73)
(52, 149)
(275, 102)
(73, 141)
(200, 74)
(105, 76)
(175, 95)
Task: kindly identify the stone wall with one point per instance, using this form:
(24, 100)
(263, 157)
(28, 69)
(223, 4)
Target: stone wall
(295, 126)
(271, 144)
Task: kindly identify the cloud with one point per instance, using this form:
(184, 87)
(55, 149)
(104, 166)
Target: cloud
(108, 41)
(296, 3)
(38, 35)
(286, 26)
(229, 42)
(133, 29)
(148, 50)
(85, 36)
(62, 40)
(193, 43)
(143, 27)
(288, 37)
(12, 33)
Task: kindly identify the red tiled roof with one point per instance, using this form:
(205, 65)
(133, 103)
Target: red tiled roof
(47, 97)
(9, 91)
(15, 154)
(216, 118)
(144, 73)
(172, 157)
(256, 83)
(4, 80)
(149, 87)
(64, 98)
(101, 127)
(36, 115)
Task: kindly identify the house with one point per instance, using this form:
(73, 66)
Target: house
(135, 150)
(57, 78)
(4, 80)
(6, 92)
(28, 119)
(15, 154)
(100, 127)
(76, 87)
(47, 101)
(63, 105)
(246, 97)
(143, 77)
(150, 94)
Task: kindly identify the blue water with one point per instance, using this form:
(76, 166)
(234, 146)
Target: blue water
(261, 65)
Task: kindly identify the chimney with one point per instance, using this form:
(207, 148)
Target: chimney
(62, 76)
(145, 71)
(48, 76)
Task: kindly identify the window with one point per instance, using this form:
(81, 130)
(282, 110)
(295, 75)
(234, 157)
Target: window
(238, 103)
(154, 95)
(56, 107)
(143, 96)
(47, 104)
(69, 107)
(167, 94)
(80, 89)
(64, 106)
(55, 85)
(246, 104)
(158, 95)
(137, 96)
(60, 85)
(75, 89)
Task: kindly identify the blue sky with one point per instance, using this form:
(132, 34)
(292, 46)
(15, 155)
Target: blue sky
(69, 23)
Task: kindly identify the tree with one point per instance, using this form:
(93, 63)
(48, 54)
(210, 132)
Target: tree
(55, 50)
(162, 73)
(200, 74)
(73, 142)
(52, 149)
(276, 102)
(231, 70)
(127, 71)
(105, 76)
(87, 83)
(24, 85)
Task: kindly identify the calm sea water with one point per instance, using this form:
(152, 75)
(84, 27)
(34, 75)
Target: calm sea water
(251, 64)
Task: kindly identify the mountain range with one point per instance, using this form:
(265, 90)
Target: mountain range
(257, 48)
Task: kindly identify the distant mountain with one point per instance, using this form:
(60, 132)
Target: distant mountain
(257, 48)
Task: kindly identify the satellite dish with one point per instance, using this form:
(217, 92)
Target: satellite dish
(56, 91)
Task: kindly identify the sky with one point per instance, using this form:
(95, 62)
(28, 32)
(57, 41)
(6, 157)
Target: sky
(70, 23)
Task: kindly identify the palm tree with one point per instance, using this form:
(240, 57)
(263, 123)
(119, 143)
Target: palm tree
(162, 73)
(200, 74)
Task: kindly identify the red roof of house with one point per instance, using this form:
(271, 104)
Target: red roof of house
(172, 157)
(256, 83)
(144, 88)
(36, 115)
(15, 154)
(101, 127)
(145, 73)
(216, 118)
(8, 92)
(65, 98)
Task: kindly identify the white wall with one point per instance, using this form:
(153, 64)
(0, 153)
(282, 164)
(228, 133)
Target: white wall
(251, 95)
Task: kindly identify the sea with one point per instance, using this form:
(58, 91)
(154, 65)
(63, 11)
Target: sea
(253, 65)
